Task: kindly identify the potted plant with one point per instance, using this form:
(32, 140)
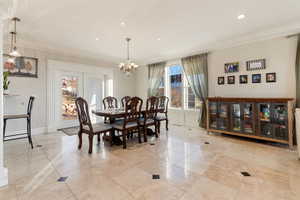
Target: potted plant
(6, 82)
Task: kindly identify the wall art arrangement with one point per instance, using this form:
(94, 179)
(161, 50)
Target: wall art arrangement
(251, 65)
(231, 67)
(256, 78)
(22, 67)
(256, 64)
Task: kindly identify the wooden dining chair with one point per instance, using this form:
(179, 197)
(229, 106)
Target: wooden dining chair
(109, 102)
(86, 126)
(131, 121)
(163, 103)
(26, 116)
(149, 117)
(124, 100)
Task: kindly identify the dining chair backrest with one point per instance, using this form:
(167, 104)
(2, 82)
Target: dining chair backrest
(30, 105)
(151, 108)
(124, 100)
(110, 102)
(163, 103)
(83, 113)
(133, 109)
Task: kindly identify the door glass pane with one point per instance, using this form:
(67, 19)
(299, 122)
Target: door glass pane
(176, 86)
(69, 89)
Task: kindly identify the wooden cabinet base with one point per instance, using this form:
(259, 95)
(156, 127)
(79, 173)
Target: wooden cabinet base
(248, 136)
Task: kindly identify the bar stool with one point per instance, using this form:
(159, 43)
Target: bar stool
(20, 116)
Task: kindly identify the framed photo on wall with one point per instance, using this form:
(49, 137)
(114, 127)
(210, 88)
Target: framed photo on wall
(271, 77)
(243, 79)
(256, 78)
(256, 64)
(221, 80)
(230, 79)
(231, 67)
(22, 67)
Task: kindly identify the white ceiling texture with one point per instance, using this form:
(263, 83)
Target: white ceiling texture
(160, 29)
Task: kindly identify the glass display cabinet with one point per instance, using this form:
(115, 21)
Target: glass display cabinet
(260, 118)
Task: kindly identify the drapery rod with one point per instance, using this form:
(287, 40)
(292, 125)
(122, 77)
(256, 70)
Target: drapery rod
(293, 35)
(179, 58)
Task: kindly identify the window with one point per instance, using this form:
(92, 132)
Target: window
(178, 90)
(175, 75)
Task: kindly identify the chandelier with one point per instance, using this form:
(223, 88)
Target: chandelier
(128, 66)
(13, 43)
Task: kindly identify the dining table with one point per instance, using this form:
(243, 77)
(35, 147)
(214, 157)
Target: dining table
(117, 113)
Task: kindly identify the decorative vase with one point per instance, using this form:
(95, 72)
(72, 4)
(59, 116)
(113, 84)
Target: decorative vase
(6, 92)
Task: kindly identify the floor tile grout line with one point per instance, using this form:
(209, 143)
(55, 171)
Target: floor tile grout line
(59, 175)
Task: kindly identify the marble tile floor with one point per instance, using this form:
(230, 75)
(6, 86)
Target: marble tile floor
(189, 169)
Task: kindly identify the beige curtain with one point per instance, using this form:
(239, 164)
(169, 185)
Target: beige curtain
(298, 74)
(195, 69)
(155, 76)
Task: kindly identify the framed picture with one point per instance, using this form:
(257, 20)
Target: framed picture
(256, 78)
(270, 77)
(230, 79)
(221, 80)
(231, 67)
(243, 79)
(256, 64)
(22, 67)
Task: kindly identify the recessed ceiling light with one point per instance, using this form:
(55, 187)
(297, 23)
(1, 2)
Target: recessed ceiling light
(158, 39)
(241, 16)
(122, 23)
(97, 39)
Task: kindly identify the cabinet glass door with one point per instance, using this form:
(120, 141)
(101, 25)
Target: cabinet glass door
(236, 117)
(248, 120)
(265, 126)
(279, 121)
(223, 121)
(213, 109)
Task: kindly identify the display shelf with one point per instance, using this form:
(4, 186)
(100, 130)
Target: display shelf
(262, 118)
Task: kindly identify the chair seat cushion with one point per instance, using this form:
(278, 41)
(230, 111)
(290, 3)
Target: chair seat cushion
(16, 116)
(149, 121)
(161, 117)
(99, 127)
(119, 125)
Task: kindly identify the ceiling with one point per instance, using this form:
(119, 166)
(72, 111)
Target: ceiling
(184, 27)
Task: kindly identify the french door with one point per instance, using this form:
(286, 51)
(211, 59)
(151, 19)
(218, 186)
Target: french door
(69, 86)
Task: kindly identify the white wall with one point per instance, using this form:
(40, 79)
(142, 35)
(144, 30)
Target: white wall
(24, 87)
(280, 56)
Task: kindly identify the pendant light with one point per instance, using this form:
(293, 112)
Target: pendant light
(13, 48)
(128, 66)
